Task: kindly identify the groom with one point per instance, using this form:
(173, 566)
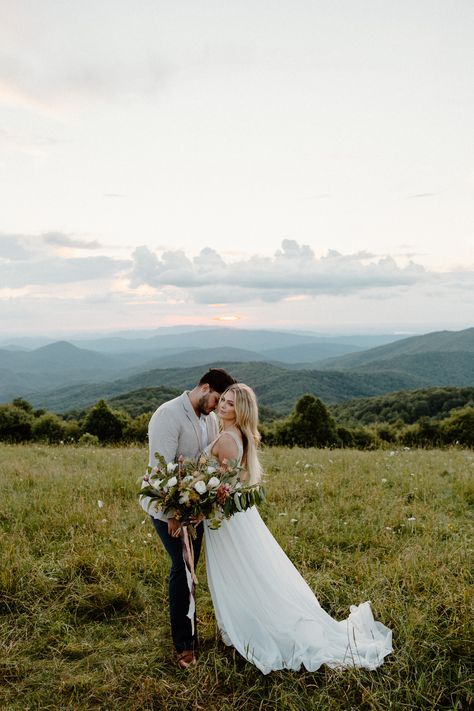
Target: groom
(183, 426)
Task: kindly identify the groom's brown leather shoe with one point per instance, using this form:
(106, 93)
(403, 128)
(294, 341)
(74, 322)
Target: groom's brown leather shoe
(186, 658)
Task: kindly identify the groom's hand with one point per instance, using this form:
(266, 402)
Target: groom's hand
(174, 527)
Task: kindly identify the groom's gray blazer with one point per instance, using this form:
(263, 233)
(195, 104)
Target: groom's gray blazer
(174, 429)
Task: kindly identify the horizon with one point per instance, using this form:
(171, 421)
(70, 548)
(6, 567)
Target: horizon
(144, 334)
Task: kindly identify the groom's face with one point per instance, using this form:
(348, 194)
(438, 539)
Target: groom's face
(208, 401)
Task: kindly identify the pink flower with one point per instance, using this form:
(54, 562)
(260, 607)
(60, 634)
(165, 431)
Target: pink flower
(223, 493)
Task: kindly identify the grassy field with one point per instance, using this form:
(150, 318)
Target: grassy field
(83, 589)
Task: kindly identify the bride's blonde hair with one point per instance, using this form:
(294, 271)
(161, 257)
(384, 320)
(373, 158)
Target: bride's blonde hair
(246, 419)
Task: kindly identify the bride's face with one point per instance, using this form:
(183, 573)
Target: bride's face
(226, 408)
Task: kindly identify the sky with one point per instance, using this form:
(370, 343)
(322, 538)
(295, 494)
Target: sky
(304, 164)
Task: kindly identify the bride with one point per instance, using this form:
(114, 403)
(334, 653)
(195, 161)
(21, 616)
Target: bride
(264, 608)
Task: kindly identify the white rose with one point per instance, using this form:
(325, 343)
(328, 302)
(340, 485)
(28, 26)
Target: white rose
(184, 498)
(171, 482)
(200, 487)
(213, 482)
(211, 470)
(170, 467)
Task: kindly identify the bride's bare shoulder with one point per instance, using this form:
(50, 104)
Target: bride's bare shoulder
(225, 447)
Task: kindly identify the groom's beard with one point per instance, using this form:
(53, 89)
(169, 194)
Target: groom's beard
(203, 405)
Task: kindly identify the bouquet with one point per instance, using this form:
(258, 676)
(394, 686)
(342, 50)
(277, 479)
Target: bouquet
(193, 487)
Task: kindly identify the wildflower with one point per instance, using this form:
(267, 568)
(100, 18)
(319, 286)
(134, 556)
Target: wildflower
(384, 481)
(213, 482)
(170, 467)
(148, 535)
(211, 470)
(100, 503)
(184, 498)
(202, 459)
(171, 482)
(391, 454)
(412, 518)
(283, 513)
(223, 493)
(294, 520)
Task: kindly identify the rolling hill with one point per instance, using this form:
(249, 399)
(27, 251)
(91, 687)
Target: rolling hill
(387, 356)
(275, 386)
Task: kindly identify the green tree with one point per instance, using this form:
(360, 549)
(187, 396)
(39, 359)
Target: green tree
(23, 404)
(137, 429)
(15, 423)
(72, 431)
(103, 422)
(49, 428)
(459, 427)
(309, 425)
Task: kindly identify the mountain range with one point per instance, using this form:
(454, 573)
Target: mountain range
(281, 366)
(24, 369)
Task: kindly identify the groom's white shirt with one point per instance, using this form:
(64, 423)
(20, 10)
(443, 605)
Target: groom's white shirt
(175, 429)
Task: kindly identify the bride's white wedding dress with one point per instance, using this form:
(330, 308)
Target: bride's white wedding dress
(266, 610)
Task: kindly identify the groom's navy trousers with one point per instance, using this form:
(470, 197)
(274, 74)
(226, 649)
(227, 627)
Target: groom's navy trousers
(181, 629)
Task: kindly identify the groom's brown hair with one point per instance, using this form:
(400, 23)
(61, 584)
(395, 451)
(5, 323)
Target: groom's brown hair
(217, 379)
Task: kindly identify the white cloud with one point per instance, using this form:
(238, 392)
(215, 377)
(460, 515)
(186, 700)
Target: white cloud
(11, 247)
(61, 240)
(294, 269)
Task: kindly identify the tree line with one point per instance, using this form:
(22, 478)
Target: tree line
(310, 424)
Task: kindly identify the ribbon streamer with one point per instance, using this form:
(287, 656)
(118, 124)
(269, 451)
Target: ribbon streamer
(188, 557)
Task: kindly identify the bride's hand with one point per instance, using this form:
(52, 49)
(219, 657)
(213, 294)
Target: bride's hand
(196, 520)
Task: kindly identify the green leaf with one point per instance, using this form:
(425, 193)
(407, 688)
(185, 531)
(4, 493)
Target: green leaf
(237, 501)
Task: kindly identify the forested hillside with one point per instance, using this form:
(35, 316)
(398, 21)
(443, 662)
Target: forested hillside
(407, 406)
(276, 387)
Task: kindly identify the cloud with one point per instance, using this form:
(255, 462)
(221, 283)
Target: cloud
(60, 271)
(294, 269)
(62, 240)
(11, 248)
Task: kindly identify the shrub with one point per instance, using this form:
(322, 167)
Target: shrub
(48, 428)
(103, 422)
(459, 428)
(15, 423)
(88, 440)
(309, 425)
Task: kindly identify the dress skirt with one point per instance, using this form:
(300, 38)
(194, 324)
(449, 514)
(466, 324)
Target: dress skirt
(267, 611)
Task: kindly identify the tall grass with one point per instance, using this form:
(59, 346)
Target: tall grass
(83, 589)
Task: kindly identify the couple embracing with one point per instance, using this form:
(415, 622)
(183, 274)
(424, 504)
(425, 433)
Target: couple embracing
(264, 608)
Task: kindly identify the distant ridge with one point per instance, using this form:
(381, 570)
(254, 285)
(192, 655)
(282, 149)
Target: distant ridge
(436, 342)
